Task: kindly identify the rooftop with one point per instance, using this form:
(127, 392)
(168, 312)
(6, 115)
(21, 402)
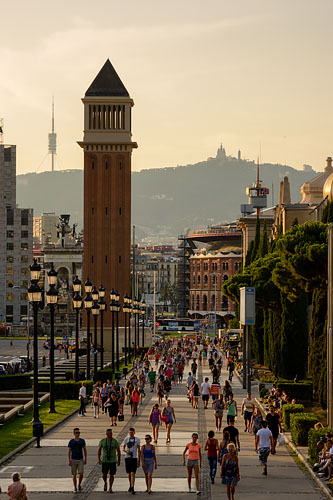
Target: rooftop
(107, 83)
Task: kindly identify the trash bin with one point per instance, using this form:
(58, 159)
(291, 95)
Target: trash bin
(125, 371)
(38, 429)
(117, 375)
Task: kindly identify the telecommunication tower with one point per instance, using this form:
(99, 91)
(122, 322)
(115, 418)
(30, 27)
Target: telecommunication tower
(257, 194)
(52, 139)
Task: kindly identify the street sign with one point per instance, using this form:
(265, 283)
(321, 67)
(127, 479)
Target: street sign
(64, 337)
(247, 305)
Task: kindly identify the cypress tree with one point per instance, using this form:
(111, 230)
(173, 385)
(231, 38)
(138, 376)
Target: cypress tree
(248, 258)
(256, 244)
(263, 245)
(318, 347)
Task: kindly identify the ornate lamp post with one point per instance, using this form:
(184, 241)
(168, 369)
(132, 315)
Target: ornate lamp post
(125, 299)
(35, 296)
(52, 299)
(77, 304)
(143, 312)
(102, 306)
(88, 303)
(135, 313)
(113, 310)
(95, 313)
(117, 330)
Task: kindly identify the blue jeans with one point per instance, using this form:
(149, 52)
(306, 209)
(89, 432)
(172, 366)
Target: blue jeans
(212, 466)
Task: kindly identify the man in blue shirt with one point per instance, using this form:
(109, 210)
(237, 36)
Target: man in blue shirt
(76, 449)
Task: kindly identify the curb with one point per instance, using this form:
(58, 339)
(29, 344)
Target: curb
(300, 455)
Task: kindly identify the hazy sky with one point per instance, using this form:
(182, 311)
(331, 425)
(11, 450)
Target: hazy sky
(244, 72)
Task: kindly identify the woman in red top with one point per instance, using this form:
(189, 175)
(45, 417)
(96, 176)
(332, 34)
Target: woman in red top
(193, 461)
(212, 448)
(135, 401)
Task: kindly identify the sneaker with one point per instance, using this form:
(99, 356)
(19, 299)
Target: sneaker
(133, 492)
(105, 487)
(198, 492)
(265, 470)
(130, 489)
(321, 474)
(189, 490)
(75, 490)
(110, 490)
(212, 480)
(80, 488)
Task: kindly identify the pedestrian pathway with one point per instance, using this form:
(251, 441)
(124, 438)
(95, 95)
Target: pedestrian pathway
(47, 475)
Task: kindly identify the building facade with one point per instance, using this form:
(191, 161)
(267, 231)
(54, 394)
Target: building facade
(45, 230)
(107, 144)
(208, 271)
(15, 244)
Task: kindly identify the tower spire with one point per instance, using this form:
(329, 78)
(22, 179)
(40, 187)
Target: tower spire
(52, 138)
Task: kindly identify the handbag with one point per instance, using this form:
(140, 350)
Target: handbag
(120, 417)
(22, 495)
(165, 418)
(281, 440)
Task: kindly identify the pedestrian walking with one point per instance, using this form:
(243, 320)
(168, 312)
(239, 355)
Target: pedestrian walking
(193, 461)
(155, 421)
(17, 490)
(234, 433)
(83, 399)
(97, 402)
(212, 448)
(132, 460)
(232, 409)
(248, 407)
(110, 458)
(77, 458)
(205, 392)
(148, 461)
(152, 378)
(256, 423)
(218, 406)
(264, 442)
(168, 417)
(196, 394)
(230, 471)
(135, 398)
(112, 405)
(274, 425)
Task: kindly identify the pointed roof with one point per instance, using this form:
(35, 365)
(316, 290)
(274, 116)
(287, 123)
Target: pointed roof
(107, 83)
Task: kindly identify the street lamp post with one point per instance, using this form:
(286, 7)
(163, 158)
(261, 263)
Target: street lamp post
(52, 299)
(129, 309)
(95, 313)
(88, 303)
(77, 304)
(35, 296)
(143, 312)
(102, 305)
(112, 309)
(117, 330)
(135, 310)
(125, 299)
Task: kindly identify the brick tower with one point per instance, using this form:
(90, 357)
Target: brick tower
(107, 144)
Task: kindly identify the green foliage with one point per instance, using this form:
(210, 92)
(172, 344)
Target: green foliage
(318, 347)
(300, 425)
(327, 216)
(287, 410)
(263, 392)
(255, 251)
(105, 375)
(300, 391)
(263, 245)
(12, 382)
(233, 323)
(65, 390)
(313, 438)
(248, 258)
(294, 338)
(258, 336)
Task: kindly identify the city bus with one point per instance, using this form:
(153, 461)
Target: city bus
(176, 325)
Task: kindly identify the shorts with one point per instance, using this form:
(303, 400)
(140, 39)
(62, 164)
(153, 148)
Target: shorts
(230, 418)
(155, 423)
(109, 468)
(205, 397)
(77, 466)
(192, 463)
(218, 413)
(215, 396)
(131, 464)
(247, 415)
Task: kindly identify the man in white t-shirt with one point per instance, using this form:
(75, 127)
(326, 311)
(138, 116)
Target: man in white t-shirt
(205, 391)
(264, 441)
(131, 449)
(83, 399)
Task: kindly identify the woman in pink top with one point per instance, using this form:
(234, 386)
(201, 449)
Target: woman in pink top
(17, 489)
(193, 461)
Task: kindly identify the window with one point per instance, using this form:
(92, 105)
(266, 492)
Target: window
(106, 210)
(10, 216)
(10, 246)
(199, 279)
(213, 279)
(10, 234)
(8, 154)
(9, 283)
(198, 266)
(24, 296)
(9, 296)
(92, 211)
(92, 259)
(24, 217)
(205, 279)
(225, 277)
(24, 272)
(93, 165)
(204, 303)
(23, 310)
(106, 165)
(10, 258)
(193, 280)
(24, 258)
(198, 303)
(24, 284)
(10, 271)
(106, 259)
(120, 211)
(120, 166)
(224, 303)
(24, 234)
(24, 246)
(119, 260)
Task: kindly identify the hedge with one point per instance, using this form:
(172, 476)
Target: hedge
(263, 392)
(300, 425)
(300, 391)
(287, 410)
(18, 381)
(314, 437)
(69, 374)
(65, 390)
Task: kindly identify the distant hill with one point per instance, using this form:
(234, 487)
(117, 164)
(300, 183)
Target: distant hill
(166, 201)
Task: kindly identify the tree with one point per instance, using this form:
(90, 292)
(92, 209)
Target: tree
(256, 241)
(263, 245)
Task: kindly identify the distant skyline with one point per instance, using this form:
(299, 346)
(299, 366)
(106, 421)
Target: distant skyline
(252, 75)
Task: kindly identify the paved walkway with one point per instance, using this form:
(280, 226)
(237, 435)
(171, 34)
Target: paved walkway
(47, 475)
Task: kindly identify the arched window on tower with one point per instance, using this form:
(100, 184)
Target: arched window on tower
(224, 303)
(198, 303)
(204, 303)
(225, 277)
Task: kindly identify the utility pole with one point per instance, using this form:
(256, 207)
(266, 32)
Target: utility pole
(133, 276)
(154, 313)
